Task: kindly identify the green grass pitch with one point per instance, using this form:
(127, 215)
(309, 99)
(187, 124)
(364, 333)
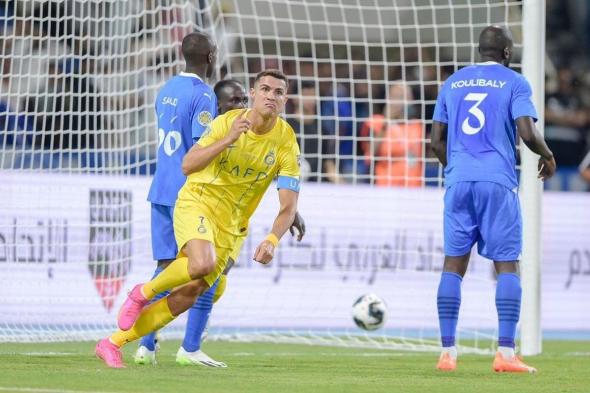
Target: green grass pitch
(564, 366)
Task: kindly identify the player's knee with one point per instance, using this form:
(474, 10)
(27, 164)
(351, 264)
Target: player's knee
(201, 258)
(506, 267)
(202, 266)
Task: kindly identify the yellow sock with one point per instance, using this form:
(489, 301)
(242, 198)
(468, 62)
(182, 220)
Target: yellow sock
(152, 318)
(174, 275)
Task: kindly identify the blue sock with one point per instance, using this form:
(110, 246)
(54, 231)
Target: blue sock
(448, 300)
(149, 341)
(198, 316)
(508, 295)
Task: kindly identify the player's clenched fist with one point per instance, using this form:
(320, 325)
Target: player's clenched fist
(264, 252)
(239, 126)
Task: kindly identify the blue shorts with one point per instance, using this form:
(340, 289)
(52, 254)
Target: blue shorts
(163, 241)
(485, 213)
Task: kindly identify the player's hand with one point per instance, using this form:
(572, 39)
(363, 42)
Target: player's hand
(546, 168)
(298, 224)
(240, 126)
(264, 252)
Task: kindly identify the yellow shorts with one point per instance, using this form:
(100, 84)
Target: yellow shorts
(237, 247)
(193, 220)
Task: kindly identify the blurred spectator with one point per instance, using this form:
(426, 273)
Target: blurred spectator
(6, 16)
(338, 118)
(68, 110)
(362, 93)
(565, 121)
(317, 144)
(393, 143)
(12, 123)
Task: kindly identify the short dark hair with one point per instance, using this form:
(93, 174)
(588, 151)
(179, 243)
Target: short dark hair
(196, 46)
(223, 83)
(278, 74)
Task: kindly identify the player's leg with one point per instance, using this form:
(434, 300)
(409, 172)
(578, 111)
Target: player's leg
(190, 352)
(460, 233)
(148, 346)
(196, 264)
(198, 315)
(153, 317)
(164, 251)
(501, 240)
(448, 301)
(163, 311)
(508, 299)
(160, 313)
(195, 233)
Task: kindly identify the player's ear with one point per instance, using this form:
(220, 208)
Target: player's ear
(507, 53)
(252, 90)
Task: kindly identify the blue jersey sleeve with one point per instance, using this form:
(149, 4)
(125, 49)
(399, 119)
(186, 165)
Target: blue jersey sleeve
(440, 109)
(521, 104)
(205, 110)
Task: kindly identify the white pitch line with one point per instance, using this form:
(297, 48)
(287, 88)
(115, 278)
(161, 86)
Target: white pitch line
(38, 390)
(38, 353)
(327, 354)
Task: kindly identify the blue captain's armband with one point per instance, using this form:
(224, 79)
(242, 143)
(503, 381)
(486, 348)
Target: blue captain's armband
(290, 183)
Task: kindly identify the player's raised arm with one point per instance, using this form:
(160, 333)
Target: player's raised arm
(201, 154)
(288, 200)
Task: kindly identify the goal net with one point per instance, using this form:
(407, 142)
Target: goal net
(78, 141)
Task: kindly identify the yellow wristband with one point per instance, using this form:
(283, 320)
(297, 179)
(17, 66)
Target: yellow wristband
(271, 237)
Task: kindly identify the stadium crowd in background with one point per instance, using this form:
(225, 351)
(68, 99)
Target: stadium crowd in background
(77, 93)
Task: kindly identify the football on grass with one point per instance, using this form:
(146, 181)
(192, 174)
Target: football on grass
(369, 312)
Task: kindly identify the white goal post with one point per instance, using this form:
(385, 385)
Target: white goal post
(533, 68)
(78, 142)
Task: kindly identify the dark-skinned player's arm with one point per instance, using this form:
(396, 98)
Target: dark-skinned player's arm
(198, 157)
(288, 208)
(438, 141)
(534, 140)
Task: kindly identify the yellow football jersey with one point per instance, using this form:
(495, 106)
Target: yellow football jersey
(233, 184)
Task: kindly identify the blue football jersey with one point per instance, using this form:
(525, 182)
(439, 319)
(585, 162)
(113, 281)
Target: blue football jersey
(480, 104)
(184, 107)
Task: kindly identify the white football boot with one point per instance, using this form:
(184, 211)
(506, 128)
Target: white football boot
(185, 358)
(144, 356)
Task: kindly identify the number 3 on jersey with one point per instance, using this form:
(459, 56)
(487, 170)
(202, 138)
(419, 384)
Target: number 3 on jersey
(171, 140)
(475, 111)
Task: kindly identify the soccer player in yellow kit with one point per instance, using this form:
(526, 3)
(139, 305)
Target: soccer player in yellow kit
(229, 170)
